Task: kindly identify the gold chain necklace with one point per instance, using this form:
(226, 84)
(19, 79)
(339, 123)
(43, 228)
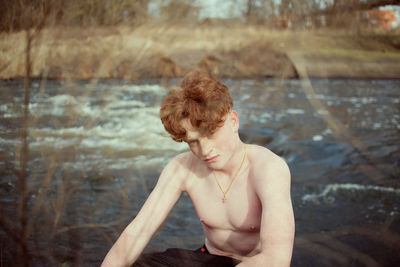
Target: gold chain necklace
(234, 177)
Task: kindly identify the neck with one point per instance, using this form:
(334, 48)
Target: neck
(235, 161)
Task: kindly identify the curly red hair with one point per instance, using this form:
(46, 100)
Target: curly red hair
(202, 99)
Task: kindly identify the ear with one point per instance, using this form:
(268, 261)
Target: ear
(234, 119)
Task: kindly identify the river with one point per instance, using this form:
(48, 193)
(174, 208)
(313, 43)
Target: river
(97, 148)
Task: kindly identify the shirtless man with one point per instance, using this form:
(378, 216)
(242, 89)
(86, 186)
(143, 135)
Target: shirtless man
(241, 192)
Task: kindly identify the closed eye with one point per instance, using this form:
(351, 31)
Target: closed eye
(191, 142)
(212, 134)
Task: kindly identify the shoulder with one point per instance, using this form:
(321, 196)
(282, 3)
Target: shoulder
(178, 168)
(267, 167)
(264, 160)
(181, 161)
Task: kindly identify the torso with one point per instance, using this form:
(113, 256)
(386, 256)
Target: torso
(231, 228)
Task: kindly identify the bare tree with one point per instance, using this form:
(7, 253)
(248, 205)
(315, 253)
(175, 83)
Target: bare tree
(181, 10)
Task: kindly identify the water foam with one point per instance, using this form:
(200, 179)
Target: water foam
(58, 105)
(294, 111)
(145, 88)
(9, 111)
(330, 189)
(121, 128)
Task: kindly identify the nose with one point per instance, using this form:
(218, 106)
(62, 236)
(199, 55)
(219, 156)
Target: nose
(205, 146)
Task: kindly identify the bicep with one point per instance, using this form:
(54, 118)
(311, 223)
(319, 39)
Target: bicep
(277, 223)
(159, 203)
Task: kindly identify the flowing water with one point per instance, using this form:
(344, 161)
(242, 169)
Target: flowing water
(97, 148)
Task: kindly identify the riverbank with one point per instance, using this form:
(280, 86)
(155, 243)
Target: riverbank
(165, 51)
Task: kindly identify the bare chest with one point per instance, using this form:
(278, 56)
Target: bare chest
(240, 212)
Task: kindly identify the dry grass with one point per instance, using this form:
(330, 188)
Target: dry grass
(156, 50)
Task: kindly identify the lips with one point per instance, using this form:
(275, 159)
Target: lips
(211, 159)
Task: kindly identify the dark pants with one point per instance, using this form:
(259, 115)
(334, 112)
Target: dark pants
(177, 257)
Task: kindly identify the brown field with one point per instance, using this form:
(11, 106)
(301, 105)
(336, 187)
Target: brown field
(154, 51)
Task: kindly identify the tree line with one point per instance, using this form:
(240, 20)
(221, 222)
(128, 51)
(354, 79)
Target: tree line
(21, 14)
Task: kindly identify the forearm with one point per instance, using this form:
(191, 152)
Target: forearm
(155, 210)
(125, 251)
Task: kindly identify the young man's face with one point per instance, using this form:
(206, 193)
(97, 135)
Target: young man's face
(214, 149)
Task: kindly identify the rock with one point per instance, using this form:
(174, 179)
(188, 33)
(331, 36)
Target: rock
(257, 60)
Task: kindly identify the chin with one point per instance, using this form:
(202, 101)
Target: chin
(216, 165)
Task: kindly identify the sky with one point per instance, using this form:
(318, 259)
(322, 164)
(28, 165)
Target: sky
(221, 9)
(211, 8)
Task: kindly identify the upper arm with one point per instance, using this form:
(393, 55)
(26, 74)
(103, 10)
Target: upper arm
(160, 201)
(156, 208)
(272, 185)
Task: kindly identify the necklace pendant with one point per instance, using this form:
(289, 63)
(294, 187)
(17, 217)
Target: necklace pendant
(224, 199)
